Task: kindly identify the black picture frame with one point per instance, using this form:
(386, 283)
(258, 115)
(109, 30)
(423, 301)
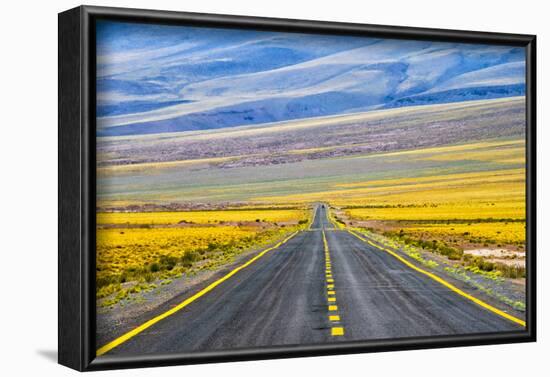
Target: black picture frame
(76, 186)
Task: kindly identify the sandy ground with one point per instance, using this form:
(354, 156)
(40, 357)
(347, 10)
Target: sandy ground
(504, 256)
(495, 253)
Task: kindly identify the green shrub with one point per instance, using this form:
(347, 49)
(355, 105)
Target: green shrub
(188, 258)
(107, 290)
(167, 262)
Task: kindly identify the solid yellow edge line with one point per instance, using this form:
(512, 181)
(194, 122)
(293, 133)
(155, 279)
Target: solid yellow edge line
(446, 283)
(334, 224)
(130, 334)
(313, 218)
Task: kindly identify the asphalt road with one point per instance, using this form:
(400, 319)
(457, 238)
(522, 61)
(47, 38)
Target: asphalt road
(323, 285)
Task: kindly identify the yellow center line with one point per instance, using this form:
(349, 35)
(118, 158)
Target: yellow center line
(130, 334)
(444, 282)
(331, 293)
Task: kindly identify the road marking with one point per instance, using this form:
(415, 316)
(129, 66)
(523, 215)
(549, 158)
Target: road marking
(331, 293)
(130, 334)
(337, 226)
(313, 219)
(444, 283)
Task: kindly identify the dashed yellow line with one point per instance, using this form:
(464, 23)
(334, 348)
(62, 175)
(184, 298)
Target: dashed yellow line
(333, 317)
(118, 341)
(444, 283)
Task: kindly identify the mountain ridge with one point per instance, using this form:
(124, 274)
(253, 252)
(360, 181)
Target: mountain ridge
(267, 77)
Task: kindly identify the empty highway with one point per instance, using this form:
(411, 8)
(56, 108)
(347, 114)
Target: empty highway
(320, 285)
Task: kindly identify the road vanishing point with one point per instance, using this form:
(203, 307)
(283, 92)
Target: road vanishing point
(317, 286)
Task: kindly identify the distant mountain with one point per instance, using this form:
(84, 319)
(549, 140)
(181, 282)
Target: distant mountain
(182, 78)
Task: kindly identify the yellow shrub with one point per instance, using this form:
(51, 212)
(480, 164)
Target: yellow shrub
(201, 217)
(119, 249)
(499, 232)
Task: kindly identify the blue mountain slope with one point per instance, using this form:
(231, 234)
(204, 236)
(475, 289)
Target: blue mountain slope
(162, 80)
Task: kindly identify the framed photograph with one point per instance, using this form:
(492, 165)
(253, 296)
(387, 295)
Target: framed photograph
(238, 188)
